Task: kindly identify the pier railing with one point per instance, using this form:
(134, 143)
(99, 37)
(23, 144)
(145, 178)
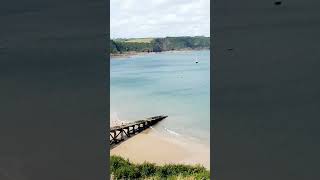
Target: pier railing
(119, 133)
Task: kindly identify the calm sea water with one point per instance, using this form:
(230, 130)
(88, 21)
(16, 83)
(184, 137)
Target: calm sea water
(169, 83)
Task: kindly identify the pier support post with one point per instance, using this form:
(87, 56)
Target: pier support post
(115, 136)
(121, 134)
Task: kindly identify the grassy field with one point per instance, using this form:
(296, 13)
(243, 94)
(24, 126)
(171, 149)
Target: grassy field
(124, 169)
(140, 40)
(134, 40)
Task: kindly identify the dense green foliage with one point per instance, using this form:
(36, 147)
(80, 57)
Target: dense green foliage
(159, 44)
(124, 169)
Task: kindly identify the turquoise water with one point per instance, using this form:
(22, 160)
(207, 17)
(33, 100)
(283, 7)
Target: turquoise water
(169, 83)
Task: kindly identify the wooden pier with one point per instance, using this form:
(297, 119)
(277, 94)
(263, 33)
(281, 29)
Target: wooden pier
(119, 133)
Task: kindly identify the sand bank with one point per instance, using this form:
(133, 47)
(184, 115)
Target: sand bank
(148, 146)
(129, 54)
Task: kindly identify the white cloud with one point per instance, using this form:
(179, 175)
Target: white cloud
(159, 18)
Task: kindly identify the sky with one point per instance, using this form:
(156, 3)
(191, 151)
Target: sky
(159, 18)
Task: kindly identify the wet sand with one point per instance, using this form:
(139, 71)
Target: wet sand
(149, 146)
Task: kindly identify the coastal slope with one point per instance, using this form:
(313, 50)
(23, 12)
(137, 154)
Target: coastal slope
(120, 46)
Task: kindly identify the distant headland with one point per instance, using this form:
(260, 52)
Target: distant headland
(131, 46)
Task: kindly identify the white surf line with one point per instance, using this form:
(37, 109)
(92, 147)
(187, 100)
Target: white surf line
(172, 132)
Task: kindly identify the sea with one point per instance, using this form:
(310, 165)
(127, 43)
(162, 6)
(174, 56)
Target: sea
(176, 84)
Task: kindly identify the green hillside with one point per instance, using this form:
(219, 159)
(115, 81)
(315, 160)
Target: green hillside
(119, 46)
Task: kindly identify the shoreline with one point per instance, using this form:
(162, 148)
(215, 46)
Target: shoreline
(134, 53)
(152, 147)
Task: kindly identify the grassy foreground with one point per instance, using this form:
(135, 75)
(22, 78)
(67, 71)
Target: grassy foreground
(124, 169)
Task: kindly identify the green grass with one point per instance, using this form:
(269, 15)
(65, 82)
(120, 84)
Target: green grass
(134, 40)
(124, 169)
(140, 40)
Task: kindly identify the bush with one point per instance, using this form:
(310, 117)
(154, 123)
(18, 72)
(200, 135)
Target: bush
(123, 169)
(128, 172)
(147, 169)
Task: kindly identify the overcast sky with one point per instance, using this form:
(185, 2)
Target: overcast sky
(159, 18)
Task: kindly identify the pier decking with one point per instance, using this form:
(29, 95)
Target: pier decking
(118, 133)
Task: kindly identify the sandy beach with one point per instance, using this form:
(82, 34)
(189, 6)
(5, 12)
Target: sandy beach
(129, 54)
(151, 147)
